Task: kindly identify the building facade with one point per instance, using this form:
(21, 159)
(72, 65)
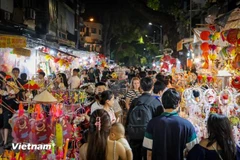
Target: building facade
(91, 36)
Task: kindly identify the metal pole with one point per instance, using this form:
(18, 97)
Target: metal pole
(190, 27)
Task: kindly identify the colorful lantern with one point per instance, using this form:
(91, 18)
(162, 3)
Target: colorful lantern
(205, 46)
(205, 35)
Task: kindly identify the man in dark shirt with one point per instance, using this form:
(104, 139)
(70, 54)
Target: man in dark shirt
(168, 136)
(155, 109)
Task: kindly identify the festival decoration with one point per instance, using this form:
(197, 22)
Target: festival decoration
(31, 85)
(204, 46)
(236, 83)
(205, 35)
(232, 36)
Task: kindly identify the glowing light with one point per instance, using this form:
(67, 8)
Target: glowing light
(154, 65)
(91, 19)
(52, 52)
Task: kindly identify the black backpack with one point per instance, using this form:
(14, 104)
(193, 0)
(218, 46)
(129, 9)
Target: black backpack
(138, 120)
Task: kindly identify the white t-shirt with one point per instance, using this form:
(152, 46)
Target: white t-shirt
(125, 143)
(74, 82)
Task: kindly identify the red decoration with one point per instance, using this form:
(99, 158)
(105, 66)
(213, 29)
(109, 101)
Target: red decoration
(205, 35)
(40, 70)
(199, 78)
(29, 86)
(238, 42)
(232, 36)
(173, 61)
(56, 60)
(205, 46)
(212, 28)
(8, 77)
(236, 83)
(209, 78)
(166, 58)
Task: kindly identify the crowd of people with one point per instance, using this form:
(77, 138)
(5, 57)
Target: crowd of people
(153, 128)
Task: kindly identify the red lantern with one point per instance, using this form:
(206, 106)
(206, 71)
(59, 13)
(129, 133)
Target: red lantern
(205, 35)
(232, 36)
(205, 46)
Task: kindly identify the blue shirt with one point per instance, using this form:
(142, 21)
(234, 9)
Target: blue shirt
(168, 135)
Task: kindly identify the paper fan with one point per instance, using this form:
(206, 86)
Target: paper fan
(45, 97)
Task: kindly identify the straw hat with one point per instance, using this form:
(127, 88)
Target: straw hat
(45, 97)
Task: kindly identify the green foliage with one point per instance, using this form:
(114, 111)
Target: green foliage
(143, 61)
(153, 4)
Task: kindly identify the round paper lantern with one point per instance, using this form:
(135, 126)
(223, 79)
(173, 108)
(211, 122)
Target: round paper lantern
(205, 46)
(232, 36)
(205, 35)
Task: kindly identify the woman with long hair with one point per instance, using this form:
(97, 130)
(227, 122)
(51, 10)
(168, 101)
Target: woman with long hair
(106, 99)
(219, 145)
(61, 81)
(134, 92)
(99, 146)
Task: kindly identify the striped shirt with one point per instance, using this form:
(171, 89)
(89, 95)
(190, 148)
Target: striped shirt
(168, 136)
(132, 94)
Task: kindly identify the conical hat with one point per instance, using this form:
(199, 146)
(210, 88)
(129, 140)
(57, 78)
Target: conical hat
(45, 97)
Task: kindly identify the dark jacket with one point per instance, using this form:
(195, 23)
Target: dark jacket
(156, 107)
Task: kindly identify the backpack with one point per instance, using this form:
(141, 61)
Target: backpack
(138, 120)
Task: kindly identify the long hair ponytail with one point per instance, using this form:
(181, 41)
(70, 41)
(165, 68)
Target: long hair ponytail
(99, 130)
(219, 129)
